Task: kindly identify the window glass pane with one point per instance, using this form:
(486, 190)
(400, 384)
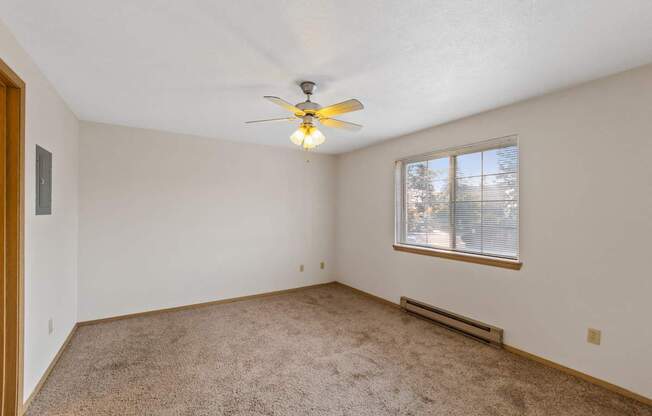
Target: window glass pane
(440, 191)
(500, 241)
(500, 187)
(468, 189)
(416, 197)
(504, 160)
(418, 237)
(468, 226)
(438, 226)
(427, 197)
(416, 176)
(439, 168)
(469, 164)
(500, 228)
(487, 227)
(500, 214)
(415, 218)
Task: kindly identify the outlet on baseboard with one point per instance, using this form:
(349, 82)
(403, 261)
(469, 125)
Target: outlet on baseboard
(50, 326)
(301, 267)
(593, 336)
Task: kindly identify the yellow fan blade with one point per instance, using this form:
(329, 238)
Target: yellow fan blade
(339, 124)
(279, 101)
(340, 108)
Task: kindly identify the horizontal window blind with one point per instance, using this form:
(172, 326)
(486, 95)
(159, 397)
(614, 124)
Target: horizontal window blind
(463, 201)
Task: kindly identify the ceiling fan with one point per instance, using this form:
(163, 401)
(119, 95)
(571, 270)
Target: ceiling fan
(307, 135)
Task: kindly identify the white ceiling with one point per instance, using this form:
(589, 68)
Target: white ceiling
(202, 67)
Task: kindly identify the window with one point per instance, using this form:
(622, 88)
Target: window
(462, 200)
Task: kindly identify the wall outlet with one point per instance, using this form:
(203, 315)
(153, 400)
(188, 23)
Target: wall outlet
(301, 267)
(50, 326)
(593, 336)
(322, 265)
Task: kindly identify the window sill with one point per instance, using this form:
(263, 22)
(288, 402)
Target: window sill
(452, 255)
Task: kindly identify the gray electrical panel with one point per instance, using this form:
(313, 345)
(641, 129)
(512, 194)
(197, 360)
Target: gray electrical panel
(43, 181)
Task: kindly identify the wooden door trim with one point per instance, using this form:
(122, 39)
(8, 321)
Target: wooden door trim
(13, 242)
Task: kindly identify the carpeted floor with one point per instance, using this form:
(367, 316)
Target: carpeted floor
(322, 351)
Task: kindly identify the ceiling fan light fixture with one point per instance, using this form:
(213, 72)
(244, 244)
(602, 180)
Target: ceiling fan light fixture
(307, 136)
(298, 136)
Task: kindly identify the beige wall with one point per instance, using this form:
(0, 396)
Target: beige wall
(50, 240)
(169, 220)
(586, 222)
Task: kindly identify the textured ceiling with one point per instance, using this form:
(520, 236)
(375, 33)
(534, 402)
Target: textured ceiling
(202, 67)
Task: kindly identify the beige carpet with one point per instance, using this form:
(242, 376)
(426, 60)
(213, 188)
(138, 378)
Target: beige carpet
(322, 351)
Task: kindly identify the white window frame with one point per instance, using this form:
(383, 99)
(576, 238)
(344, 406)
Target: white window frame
(400, 218)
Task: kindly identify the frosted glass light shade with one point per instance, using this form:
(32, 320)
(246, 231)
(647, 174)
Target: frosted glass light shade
(307, 136)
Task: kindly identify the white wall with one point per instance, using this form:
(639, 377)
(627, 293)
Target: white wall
(50, 240)
(169, 220)
(586, 222)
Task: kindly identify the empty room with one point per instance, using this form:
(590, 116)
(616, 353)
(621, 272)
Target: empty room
(416, 207)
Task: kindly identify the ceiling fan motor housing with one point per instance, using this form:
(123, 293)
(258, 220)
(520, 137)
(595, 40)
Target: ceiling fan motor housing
(307, 120)
(308, 107)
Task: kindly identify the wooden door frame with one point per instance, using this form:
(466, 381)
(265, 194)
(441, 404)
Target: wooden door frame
(12, 156)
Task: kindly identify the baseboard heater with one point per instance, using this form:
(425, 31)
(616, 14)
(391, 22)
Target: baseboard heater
(478, 330)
